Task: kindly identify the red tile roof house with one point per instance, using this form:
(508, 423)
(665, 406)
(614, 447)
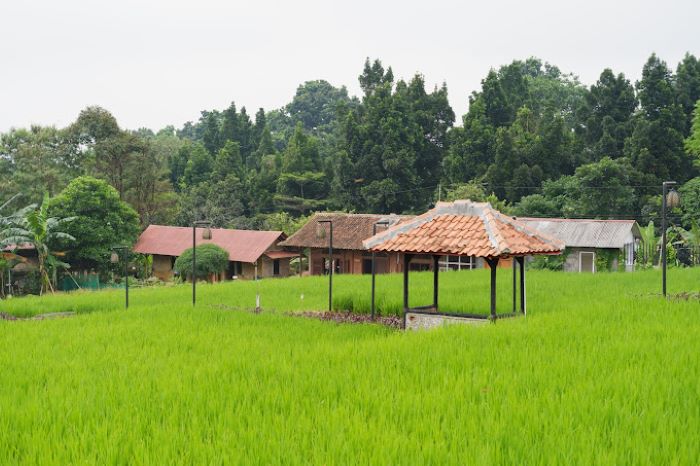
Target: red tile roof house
(349, 230)
(350, 256)
(246, 249)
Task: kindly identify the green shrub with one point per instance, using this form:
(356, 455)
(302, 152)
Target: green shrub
(211, 259)
(548, 262)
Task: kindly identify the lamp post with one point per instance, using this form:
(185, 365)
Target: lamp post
(670, 200)
(374, 232)
(206, 234)
(330, 264)
(114, 259)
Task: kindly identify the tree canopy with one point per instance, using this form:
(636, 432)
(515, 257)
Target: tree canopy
(100, 221)
(534, 141)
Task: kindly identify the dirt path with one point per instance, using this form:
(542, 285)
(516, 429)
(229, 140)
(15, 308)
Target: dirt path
(47, 316)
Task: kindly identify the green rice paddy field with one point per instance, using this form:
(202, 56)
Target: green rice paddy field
(603, 370)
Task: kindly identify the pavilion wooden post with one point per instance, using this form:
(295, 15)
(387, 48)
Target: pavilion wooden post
(406, 262)
(523, 302)
(493, 264)
(436, 269)
(513, 265)
(301, 261)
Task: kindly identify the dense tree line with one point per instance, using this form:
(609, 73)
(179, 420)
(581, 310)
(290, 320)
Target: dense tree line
(534, 140)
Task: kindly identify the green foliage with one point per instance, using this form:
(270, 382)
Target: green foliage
(101, 221)
(33, 225)
(536, 205)
(607, 112)
(394, 142)
(599, 190)
(472, 191)
(687, 85)
(37, 161)
(655, 147)
(534, 138)
(609, 260)
(548, 262)
(692, 143)
(602, 189)
(646, 255)
(211, 260)
(316, 104)
(690, 201)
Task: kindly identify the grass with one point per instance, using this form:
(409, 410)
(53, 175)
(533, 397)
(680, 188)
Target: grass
(602, 371)
(465, 292)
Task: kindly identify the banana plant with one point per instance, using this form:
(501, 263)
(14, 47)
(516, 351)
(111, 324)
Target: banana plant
(32, 225)
(650, 245)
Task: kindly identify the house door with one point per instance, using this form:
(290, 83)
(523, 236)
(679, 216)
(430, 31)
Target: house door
(276, 267)
(586, 262)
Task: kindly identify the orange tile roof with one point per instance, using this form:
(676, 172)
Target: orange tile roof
(464, 228)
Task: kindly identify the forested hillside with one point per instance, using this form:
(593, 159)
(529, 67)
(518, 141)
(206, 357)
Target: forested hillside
(535, 140)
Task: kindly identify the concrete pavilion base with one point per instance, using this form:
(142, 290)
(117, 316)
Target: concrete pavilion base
(426, 320)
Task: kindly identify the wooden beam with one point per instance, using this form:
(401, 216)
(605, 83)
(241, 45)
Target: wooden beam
(406, 262)
(493, 264)
(436, 269)
(513, 265)
(301, 262)
(523, 309)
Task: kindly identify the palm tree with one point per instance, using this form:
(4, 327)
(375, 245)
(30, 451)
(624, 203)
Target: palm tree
(33, 225)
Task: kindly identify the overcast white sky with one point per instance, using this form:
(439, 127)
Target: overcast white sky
(159, 62)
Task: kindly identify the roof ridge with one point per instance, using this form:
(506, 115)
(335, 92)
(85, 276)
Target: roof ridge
(214, 228)
(497, 239)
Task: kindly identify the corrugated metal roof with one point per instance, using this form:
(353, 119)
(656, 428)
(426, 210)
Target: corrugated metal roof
(349, 230)
(464, 228)
(241, 245)
(586, 233)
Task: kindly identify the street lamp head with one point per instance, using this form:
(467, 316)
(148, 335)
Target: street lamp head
(206, 234)
(114, 258)
(673, 199)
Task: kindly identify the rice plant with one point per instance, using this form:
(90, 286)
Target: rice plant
(603, 370)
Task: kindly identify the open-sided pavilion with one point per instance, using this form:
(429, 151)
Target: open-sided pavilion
(465, 228)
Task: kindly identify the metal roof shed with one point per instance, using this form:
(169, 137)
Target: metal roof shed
(465, 228)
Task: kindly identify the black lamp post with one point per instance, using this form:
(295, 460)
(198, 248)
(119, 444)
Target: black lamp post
(206, 234)
(374, 232)
(330, 264)
(670, 200)
(114, 258)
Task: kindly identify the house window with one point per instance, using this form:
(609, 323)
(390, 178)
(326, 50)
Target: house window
(457, 263)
